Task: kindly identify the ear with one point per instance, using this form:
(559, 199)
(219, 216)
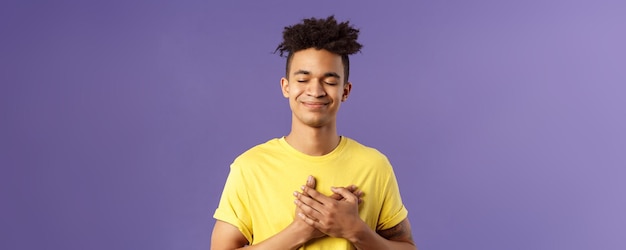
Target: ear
(347, 87)
(284, 86)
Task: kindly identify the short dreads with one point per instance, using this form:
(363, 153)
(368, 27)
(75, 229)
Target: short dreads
(338, 38)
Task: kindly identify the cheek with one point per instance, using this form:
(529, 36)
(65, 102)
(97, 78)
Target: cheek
(338, 94)
(295, 93)
(293, 100)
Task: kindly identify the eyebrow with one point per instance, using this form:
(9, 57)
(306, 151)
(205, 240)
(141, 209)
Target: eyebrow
(328, 74)
(332, 74)
(302, 72)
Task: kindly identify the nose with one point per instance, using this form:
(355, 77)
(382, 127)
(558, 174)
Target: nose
(315, 88)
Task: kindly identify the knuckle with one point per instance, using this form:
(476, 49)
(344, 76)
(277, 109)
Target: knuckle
(332, 205)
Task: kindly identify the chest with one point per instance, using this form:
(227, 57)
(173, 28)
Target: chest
(271, 190)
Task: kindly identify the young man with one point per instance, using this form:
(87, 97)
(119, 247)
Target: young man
(260, 207)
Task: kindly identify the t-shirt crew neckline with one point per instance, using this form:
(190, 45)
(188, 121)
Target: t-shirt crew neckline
(333, 154)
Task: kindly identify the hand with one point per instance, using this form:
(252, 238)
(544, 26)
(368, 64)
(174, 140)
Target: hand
(337, 218)
(311, 183)
(312, 232)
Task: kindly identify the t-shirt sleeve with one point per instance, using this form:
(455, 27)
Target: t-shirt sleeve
(393, 210)
(234, 206)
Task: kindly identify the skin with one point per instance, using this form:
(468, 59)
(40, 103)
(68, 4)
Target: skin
(226, 236)
(315, 88)
(340, 218)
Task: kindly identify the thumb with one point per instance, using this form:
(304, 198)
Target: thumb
(310, 182)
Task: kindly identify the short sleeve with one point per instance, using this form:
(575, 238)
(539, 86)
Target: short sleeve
(234, 206)
(393, 210)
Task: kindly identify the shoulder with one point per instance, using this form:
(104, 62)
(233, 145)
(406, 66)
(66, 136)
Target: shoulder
(268, 146)
(371, 154)
(357, 147)
(253, 154)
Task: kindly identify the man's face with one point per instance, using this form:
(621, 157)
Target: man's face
(315, 87)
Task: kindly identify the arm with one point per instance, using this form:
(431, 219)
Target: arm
(227, 237)
(397, 237)
(340, 218)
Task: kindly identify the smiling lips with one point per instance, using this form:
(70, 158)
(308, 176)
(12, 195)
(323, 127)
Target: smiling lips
(315, 105)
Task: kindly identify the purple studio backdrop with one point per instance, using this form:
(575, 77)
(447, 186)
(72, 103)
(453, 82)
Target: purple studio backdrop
(505, 120)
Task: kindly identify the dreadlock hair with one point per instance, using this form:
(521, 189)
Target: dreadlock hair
(338, 38)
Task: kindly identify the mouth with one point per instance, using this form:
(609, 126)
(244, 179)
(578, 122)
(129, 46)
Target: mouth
(315, 105)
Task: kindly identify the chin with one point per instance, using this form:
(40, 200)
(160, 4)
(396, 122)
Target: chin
(315, 120)
(316, 123)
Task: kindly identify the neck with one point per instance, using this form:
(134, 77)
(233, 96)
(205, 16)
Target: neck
(313, 141)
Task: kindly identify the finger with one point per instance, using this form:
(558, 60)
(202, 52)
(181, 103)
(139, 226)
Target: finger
(307, 205)
(315, 195)
(311, 221)
(336, 196)
(306, 219)
(355, 190)
(345, 193)
(358, 193)
(311, 182)
(352, 188)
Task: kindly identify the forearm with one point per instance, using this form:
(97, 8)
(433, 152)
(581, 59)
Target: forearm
(367, 239)
(289, 238)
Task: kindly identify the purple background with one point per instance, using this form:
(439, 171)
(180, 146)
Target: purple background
(505, 120)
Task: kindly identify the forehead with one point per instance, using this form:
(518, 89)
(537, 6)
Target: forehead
(316, 61)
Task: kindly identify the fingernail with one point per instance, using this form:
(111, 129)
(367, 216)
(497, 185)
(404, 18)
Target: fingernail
(295, 193)
(302, 187)
(310, 179)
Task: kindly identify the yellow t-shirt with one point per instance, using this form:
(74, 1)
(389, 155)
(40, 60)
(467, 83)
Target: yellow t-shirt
(257, 197)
